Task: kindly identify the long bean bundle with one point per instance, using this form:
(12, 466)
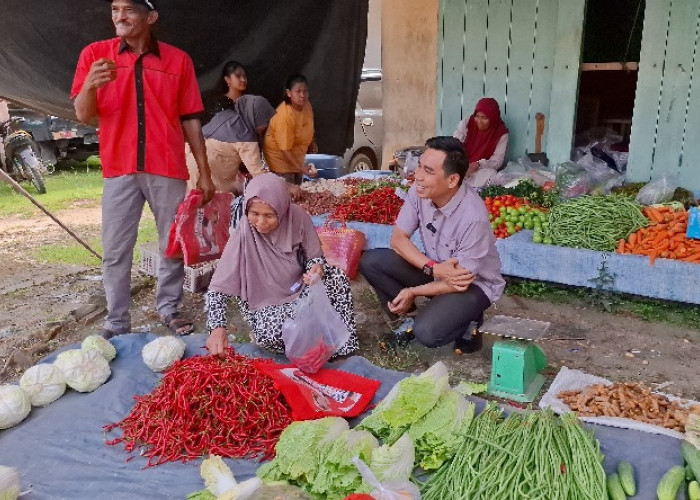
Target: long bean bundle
(534, 455)
(595, 222)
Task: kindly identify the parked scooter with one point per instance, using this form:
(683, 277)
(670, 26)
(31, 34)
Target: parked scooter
(22, 156)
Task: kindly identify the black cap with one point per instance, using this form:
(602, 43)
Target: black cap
(149, 4)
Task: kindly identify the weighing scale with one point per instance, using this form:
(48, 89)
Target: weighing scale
(517, 362)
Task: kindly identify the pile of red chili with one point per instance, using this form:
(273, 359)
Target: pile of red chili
(206, 404)
(381, 206)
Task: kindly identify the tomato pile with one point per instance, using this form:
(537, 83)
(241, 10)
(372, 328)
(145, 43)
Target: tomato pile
(509, 214)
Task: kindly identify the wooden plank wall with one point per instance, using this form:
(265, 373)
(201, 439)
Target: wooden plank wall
(506, 49)
(665, 138)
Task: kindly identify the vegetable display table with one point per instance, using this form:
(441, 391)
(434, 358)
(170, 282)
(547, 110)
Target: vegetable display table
(520, 257)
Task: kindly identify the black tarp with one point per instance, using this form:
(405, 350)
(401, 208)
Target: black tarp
(40, 41)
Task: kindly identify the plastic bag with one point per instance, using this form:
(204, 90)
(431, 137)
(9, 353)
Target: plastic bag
(315, 332)
(342, 247)
(572, 180)
(391, 490)
(693, 230)
(658, 191)
(603, 176)
(199, 233)
(328, 393)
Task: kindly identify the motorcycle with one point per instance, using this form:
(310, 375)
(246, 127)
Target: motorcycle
(22, 155)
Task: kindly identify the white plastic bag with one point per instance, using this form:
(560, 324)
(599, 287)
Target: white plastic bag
(391, 490)
(658, 191)
(315, 332)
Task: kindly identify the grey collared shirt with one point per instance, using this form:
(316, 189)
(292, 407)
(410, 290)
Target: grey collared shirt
(459, 230)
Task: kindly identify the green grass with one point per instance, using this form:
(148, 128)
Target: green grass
(76, 182)
(76, 254)
(675, 313)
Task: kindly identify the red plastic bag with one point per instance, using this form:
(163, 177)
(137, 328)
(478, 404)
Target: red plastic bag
(342, 246)
(199, 233)
(328, 393)
(315, 332)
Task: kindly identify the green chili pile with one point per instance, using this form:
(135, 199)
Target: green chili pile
(594, 222)
(534, 455)
(219, 405)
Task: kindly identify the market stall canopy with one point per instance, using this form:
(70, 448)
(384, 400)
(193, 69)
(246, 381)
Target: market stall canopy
(40, 43)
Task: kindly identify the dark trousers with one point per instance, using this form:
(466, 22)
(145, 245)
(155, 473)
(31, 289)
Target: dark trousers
(444, 318)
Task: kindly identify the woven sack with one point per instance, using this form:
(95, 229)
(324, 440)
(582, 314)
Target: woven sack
(342, 246)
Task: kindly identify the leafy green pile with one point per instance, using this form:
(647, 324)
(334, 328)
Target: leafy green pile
(406, 403)
(299, 449)
(439, 433)
(394, 462)
(316, 455)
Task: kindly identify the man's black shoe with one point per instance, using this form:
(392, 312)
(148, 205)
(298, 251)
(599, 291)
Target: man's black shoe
(471, 341)
(400, 337)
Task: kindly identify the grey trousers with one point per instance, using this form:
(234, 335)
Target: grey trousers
(122, 205)
(444, 318)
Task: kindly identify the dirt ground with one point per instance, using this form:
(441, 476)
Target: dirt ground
(43, 307)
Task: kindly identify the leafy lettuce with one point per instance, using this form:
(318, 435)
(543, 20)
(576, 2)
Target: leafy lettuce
(440, 432)
(406, 403)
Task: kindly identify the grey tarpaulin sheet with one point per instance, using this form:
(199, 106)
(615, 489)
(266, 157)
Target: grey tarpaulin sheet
(59, 450)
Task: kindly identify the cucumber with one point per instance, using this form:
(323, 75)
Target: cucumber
(615, 491)
(694, 490)
(692, 457)
(670, 482)
(626, 474)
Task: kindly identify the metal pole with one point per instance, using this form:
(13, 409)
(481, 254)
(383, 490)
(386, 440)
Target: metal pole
(22, 191)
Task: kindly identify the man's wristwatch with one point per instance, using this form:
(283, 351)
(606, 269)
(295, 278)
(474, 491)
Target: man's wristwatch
(428, 267)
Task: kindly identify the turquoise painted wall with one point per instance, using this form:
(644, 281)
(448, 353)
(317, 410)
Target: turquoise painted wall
(525, 53)
(665, 136)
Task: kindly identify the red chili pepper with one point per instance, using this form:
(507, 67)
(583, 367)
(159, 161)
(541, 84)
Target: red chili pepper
(206, 404)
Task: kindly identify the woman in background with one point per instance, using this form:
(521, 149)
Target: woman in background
(485, 139)
(235, 132)
(290, 134)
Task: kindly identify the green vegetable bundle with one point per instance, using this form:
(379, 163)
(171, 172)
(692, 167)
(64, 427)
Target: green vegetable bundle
(534, 455)
(594, 222)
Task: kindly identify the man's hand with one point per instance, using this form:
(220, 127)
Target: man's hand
(403, 302)
(207, 186)
(217, 341)
(101, 73)
(453, 274)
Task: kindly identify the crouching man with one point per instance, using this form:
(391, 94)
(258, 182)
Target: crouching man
(460, 269)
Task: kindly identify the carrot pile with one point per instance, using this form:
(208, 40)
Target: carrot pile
(206, 405)
(664, 237)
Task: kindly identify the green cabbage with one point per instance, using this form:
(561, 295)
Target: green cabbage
(163, 352)
(298, 450)
(394, 462)
(338, 477)
(84, 370)
(408, 401)
(101, 344)
(15, 405)
(439, 433)
(44, 383)
(469, 388)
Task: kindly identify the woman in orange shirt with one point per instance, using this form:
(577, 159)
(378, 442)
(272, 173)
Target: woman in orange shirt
(290, 134)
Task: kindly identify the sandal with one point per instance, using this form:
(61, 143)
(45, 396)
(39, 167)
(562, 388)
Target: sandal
(178, 325)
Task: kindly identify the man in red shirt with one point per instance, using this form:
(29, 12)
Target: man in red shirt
(145, 97)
